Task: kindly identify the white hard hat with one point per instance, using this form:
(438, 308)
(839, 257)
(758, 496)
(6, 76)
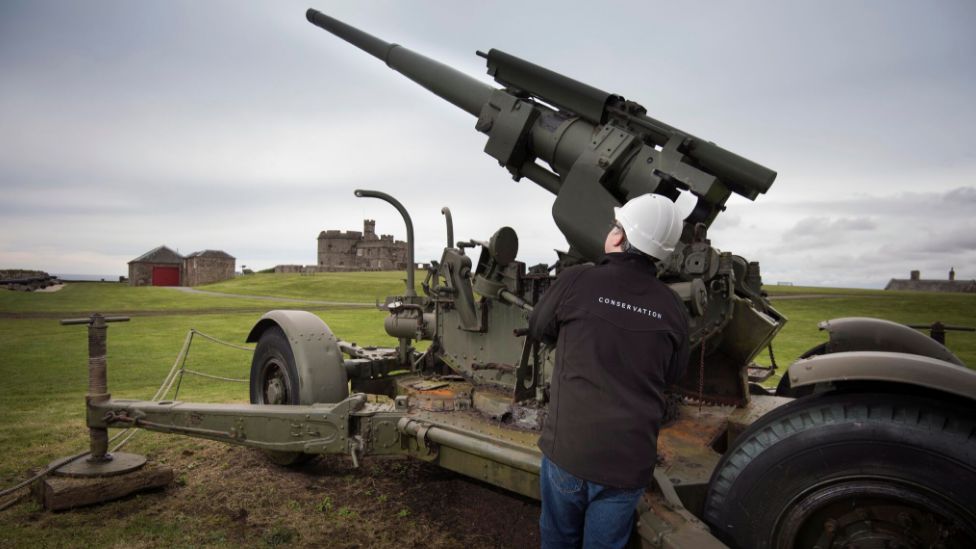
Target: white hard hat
(652, 223)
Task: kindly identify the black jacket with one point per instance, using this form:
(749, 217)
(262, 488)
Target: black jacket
(622, 339)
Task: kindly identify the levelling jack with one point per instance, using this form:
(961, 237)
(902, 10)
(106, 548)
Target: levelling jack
(101, 476)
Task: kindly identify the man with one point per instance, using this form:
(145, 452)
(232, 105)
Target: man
(622, 339)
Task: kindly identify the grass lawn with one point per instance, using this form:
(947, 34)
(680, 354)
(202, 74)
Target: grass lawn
(801, 332)
(87, 297)
(367, 287)
(43, 366)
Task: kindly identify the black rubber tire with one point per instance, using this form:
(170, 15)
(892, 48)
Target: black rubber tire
(828, 458)
(784, 389)
(274, 363)
(274, 380)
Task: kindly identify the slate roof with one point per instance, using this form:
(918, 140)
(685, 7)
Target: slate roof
(211, 253)
(160, 254)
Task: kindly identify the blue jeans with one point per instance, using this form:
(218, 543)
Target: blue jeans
(579, 513)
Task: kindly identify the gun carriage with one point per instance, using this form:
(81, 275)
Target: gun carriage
(837, 467)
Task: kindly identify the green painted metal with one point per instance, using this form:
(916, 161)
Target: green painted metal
(875, 334)
(316, 429)
(318, 360)
(602, 149)
(901, 368)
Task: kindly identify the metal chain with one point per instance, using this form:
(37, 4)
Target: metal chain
(701, 376)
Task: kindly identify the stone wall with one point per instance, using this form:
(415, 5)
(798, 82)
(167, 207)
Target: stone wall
(140, 274)
(338, 248)
(922, 285)
(203, 269)
(916, 283)
(360, 251)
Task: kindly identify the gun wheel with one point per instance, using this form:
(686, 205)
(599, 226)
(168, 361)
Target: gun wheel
(274, 380)
(850, 470)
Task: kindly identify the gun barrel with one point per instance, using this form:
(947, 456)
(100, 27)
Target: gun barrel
(451, 85)
(743, 176)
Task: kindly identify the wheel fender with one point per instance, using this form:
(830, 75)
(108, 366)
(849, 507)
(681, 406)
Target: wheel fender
(321, 372)
(922, 371)
(875, 334)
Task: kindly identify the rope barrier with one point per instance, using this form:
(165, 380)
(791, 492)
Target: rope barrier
(184, 370)
(225, 343)
(211, 376)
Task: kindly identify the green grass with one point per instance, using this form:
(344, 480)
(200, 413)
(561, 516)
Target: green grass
(347, 287)
(43, 365)
(113, 297)
(775, 290)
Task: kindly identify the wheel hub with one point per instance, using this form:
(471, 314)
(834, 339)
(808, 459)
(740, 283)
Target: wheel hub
(274, 391)
(275, 385)
(871, 514)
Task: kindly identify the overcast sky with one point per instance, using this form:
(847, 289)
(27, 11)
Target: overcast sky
(240, 126)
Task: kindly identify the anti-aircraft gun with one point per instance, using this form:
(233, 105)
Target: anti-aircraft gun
(601, 151)
(879, 449)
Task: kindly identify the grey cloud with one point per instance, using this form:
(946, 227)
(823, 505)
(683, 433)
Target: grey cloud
(207, 125)
(819, 232)
(873, 201)
(904, 231)
(809, 226)
(962, 197)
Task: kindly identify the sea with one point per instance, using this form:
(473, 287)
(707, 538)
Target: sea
(67, 277)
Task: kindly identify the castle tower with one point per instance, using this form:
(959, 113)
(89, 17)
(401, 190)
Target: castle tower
(369, 229)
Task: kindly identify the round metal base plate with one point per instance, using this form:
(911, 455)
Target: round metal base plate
(120, 463)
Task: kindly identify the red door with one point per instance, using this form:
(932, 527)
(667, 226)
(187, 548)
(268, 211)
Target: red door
(166, 276)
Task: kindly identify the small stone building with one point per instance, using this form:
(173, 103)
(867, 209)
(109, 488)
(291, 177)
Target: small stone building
(360, 251)
(207, 267)
(917, 283)
(162, 266)
(159, 266)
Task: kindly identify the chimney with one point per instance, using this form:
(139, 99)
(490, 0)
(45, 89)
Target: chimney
(915, 275)
(952, 273)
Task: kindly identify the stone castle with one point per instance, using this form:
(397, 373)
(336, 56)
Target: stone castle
(355, 251)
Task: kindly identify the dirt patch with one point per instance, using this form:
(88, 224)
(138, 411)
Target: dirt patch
(231, 496)
(327, 502)
(50, 289)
